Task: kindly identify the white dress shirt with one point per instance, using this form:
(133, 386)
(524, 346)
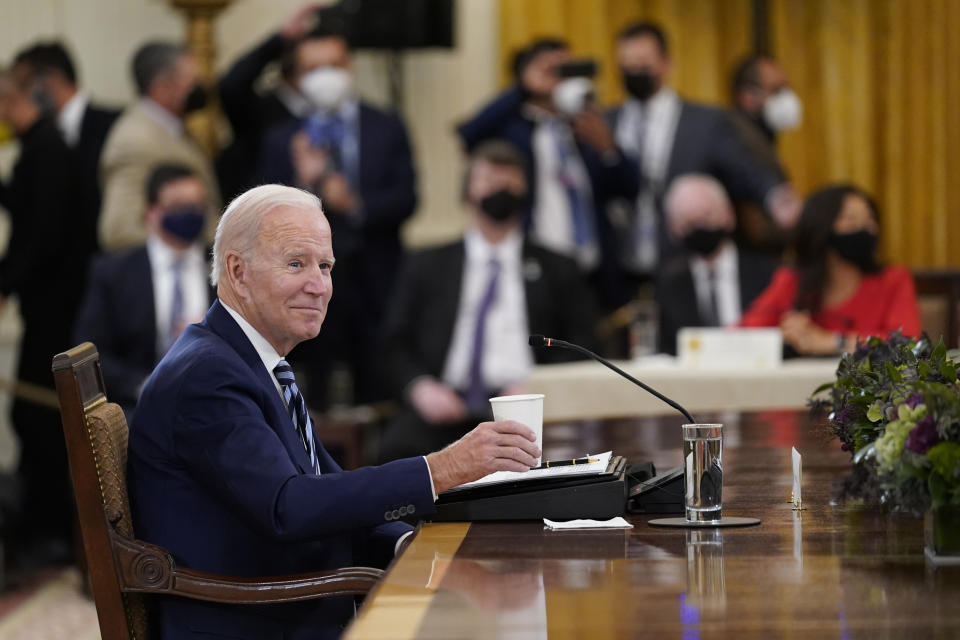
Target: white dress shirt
(270, 358)
(70, 118)
(507, 355)
(646, 132)
(196, 292)
(726, 282)
(164, 118)
(552, 216)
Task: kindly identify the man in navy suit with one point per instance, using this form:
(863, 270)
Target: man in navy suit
(138, 300)
(357, 159)
(459, 323)
(669, 136)
(575, 165)
(84, 125)
(224, 468)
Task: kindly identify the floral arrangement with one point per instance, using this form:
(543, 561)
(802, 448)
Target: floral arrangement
(895, 406)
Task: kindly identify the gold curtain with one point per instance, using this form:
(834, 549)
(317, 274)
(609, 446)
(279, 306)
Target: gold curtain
(706, 37)
(880, 82)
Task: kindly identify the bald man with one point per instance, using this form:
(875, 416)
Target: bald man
(225, 470)
(714, 281)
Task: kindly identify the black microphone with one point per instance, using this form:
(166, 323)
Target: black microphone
(540, 341)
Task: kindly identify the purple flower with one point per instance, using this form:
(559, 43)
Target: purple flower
(914, 400)
(923, 436)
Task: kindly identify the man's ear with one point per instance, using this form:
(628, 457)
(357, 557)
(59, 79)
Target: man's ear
(237, 273)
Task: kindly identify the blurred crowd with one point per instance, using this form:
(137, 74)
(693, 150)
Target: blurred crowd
(574, 211)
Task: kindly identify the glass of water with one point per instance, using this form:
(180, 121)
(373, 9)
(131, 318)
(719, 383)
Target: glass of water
(703, 469)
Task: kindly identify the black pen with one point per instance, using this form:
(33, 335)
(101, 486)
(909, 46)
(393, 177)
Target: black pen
(565, 463)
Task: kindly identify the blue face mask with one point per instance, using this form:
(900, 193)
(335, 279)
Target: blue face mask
(184, 222)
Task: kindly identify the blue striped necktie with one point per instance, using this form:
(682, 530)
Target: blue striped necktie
(297, 408)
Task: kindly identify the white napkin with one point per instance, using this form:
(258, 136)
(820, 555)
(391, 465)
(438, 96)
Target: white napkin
(612, 523)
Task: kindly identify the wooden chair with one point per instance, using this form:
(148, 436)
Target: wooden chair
(123, 568)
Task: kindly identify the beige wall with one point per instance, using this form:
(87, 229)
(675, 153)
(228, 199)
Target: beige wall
(441, 86)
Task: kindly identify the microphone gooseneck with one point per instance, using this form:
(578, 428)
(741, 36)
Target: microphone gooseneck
(542, 342)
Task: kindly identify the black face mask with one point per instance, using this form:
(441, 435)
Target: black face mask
(501, 205)
(196, 99)
(858, 247)
(640, 85)
(704, 241)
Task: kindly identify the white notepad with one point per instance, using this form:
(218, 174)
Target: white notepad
(499, 477)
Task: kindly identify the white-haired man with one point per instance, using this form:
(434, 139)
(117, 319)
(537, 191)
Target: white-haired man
(224, 468)
(714, 281)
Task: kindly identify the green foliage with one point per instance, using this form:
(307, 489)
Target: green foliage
(898, 401)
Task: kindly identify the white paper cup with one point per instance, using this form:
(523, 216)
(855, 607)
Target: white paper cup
(526, 409)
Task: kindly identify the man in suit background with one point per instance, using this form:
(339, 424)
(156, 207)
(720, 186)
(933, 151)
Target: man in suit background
(44, 267)
(458, 326)
(252, 112)
(764, 105)
(149, 133)
(49, 70)
(358, 160)
(669, 136)
(715, 281)
(224, 468)
(138, 300)
(575, 165)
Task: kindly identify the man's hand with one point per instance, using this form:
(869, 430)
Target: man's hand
(300, 22)
(590, 127)
(806, 337)
(309, 162)
(492, 446)
(336, 194)
(436, 402)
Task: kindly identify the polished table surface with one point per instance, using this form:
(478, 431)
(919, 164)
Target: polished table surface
(829, 571)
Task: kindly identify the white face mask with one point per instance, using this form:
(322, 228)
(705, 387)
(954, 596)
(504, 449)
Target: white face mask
(783, 111)
(326, 87)
(571, 95)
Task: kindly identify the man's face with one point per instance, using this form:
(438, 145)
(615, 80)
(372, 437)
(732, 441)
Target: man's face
(771, 80)
(487, 178)
(541, 73)
(287, 282)
(698, 206)
(642, 54)
(315, 53)
(178, 195)
(177, 83)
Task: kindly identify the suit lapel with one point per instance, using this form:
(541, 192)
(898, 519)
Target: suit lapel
(141, 279)
(220, 321)
(534, 289)
(448, 300)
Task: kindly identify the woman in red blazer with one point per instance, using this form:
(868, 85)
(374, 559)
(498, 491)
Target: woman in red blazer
(836, 292)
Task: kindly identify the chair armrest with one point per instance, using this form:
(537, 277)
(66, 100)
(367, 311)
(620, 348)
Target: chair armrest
(147, 568)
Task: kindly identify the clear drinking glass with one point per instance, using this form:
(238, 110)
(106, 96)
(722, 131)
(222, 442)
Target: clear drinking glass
(703, 468)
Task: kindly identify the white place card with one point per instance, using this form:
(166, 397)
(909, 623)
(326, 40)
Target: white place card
(797, 477)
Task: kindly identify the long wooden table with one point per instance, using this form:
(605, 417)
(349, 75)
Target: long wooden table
(829, 571)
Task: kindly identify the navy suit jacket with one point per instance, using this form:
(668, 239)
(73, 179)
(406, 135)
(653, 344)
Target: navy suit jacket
(387, 189)
(118, 315)
(706, 142)
(218, 476)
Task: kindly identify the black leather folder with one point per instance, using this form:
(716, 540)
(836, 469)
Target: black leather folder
(600, 497)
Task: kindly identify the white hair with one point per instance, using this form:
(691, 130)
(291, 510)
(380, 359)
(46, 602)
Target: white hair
(697, 184)
(240, 222)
